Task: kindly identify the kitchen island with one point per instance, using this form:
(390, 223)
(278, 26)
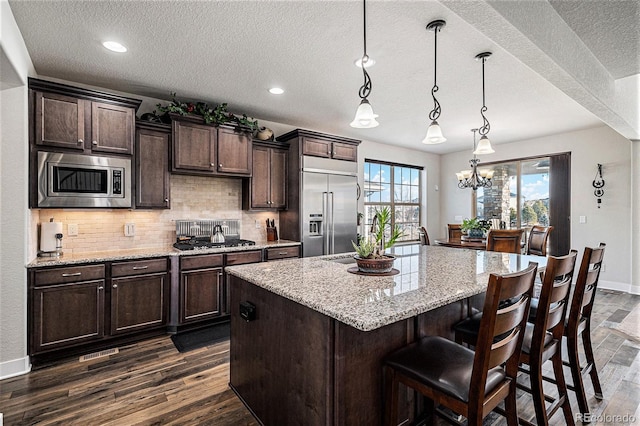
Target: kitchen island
(312, 354)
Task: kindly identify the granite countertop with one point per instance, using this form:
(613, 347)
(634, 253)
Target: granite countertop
(429, 277)
(139, 253)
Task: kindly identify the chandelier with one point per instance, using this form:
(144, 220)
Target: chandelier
(365, 118)
(474, 178)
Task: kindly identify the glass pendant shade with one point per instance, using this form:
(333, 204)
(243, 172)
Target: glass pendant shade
(434, 134)
(484, 146)
(365, 118)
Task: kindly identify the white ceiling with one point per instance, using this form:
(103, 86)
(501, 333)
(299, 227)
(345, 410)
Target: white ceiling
(233, 51)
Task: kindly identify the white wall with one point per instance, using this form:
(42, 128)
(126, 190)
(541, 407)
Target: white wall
(610, 224)
(14, 213)
(430, 178)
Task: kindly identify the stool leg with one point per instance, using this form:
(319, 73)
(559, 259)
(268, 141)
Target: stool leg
(576, 375)
(390, 397)
(562, 387)
(511, 411)
(537, 393)
(588, 351)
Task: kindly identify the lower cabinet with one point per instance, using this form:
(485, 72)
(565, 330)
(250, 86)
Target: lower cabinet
(201, 289)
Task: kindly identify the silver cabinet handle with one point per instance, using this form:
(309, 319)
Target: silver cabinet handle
(100, 288)
(282, 253)
(135, 268)
(213, 165)
(77, 274)
(80, 141)
(166, 200)
(95, 142)
(220, 165)
(115, 286)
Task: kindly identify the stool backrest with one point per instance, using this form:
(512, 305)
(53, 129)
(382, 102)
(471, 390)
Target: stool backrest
(424, 236)
(498, 319)
(538, 236)
(505, 240)
(586, 285)
(554, 300)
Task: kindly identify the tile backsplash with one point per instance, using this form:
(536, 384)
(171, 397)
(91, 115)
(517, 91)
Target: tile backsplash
(192, 197)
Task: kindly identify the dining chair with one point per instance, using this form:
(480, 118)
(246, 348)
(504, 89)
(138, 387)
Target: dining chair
(470, 383)
(424, 236)
(537, 243)
(505, 240)
(579, 326)
(542, 338)
(454, 231)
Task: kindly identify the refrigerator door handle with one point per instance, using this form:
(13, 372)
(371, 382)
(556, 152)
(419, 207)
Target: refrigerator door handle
(333, 233)
(325, 224)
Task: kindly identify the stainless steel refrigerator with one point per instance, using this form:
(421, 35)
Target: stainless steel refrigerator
(328, 212)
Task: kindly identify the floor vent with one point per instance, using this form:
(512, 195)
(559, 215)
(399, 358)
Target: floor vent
(100, 354)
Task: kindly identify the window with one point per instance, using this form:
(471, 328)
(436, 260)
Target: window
(398, 187)
(528, 192)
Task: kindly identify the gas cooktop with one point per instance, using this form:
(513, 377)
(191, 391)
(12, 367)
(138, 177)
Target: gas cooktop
(201, 244)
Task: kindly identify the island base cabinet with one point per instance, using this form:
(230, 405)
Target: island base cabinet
(293, 363)
(138, 303)
(67, 315)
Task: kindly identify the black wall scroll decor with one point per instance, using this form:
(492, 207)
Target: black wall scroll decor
(598, 184)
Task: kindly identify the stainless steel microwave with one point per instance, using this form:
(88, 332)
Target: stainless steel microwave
(73, 180)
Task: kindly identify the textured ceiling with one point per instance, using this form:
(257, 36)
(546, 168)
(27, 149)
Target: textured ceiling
(233, 51)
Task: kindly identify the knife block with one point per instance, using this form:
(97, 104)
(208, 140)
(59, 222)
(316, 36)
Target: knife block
(272, 234)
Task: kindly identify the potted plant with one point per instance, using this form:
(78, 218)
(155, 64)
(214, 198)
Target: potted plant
(370, 252)
(475, 227)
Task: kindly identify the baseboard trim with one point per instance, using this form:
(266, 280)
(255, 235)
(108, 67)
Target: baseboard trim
(14, 367)
(617, 286)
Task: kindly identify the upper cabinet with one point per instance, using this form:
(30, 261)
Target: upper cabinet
(315, 144)
(152, 165)
(201, 149)
(267, 188)
(82, 120)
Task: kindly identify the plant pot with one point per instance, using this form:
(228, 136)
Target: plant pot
(380, 265)
(476, 233)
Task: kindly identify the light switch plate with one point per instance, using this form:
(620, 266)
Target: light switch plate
(129, 229)
(583, 219)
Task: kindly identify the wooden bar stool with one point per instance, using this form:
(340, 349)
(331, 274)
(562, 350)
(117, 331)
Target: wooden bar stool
(470, 383)
(543, 338)
(424, 236)
(537, 243)
(579, 325)
(454, 231)
(505, 240)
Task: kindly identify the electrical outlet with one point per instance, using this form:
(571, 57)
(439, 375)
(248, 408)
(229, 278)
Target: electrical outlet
(604, 267)
(72, 230)
(583, 219)
(129, 229)
(258, 226)
(457, 219)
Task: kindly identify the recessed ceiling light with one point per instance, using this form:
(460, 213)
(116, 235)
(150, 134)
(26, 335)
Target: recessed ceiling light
(276, 91)
(114, 46)
(370, 62)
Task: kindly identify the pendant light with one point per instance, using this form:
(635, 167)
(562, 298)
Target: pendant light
(365, 118)
(484, 144)
(434, 132)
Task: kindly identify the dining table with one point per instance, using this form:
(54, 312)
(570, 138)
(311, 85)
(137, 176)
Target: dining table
(474, 244)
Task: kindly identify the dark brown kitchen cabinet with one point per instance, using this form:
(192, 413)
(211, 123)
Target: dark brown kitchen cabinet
(152, 177)
(67, 307)
(81, 119)
(139, 295)
(328, 149)
(267, 188)
(201, 288)
(207, 150)
(277, 253)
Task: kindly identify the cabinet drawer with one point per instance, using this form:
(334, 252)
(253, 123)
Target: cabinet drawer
(197, 262)
(239, 258)
(69, 274)
(283, 252)
(138, 267)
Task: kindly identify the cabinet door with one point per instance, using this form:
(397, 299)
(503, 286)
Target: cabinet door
(59, 121)
(260, 181)
(67, 314)
(152, 169)
(194, 147)
(201, 294)
(344, 151)
(234, 152)
(112, 128)
(278, 181)
(138, 302)
(316, 147)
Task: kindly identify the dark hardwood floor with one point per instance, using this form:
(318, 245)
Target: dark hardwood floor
(151, 383)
